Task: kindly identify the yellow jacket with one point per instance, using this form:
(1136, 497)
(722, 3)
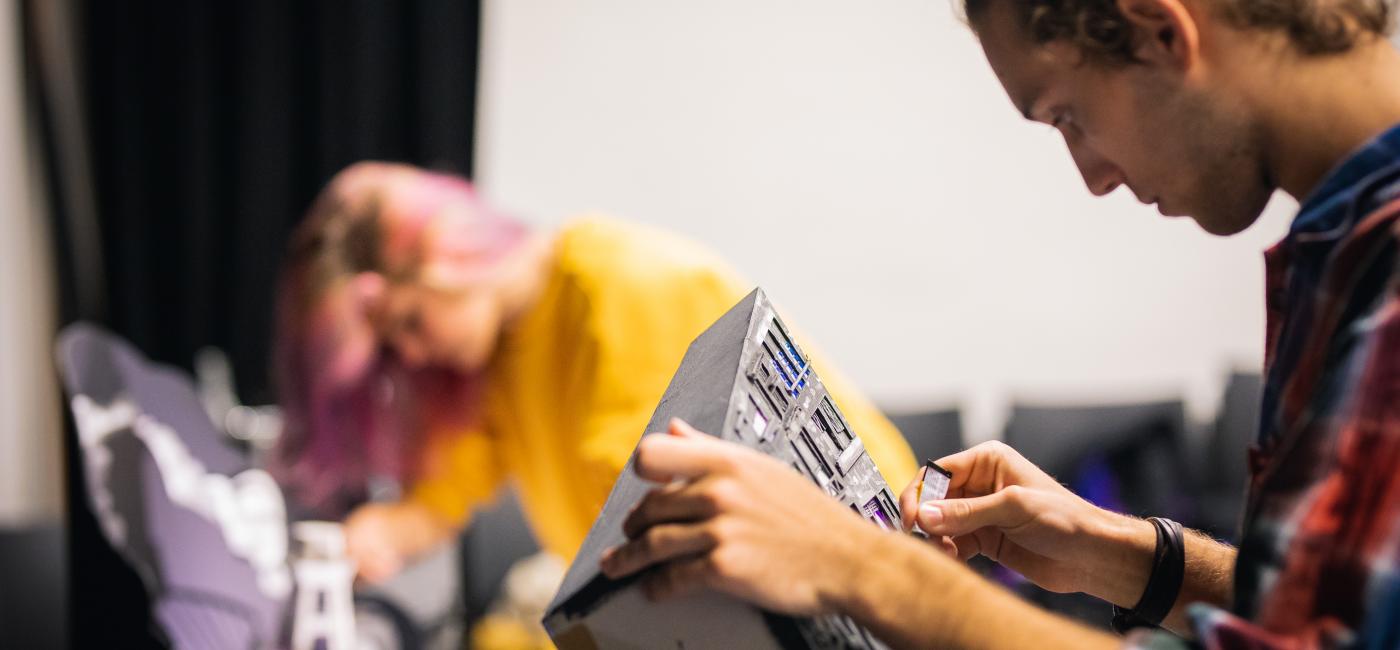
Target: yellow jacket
(577, 379)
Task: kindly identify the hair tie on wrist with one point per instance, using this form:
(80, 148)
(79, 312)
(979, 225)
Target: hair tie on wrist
(1163, 584)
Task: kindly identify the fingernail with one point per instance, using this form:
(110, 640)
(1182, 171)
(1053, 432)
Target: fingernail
(931, 514)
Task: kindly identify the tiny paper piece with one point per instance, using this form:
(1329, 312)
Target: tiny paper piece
(933, 486)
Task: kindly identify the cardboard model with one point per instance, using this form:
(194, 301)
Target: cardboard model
(745, 380)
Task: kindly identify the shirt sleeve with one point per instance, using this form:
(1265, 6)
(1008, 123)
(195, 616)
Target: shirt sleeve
(462, 473)
(643, 324)
(643, 342)
(1219, 629)
(1335, 585)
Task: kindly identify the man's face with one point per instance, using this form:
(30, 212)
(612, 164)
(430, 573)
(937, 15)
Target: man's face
(1160, 129)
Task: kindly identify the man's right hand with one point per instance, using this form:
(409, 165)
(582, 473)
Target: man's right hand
(1003, 507)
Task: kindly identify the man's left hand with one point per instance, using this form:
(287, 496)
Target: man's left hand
(734, 520)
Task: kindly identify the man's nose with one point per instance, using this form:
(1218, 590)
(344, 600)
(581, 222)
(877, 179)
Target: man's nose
(1100, 175)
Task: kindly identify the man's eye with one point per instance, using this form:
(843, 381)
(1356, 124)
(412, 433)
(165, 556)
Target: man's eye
(1058, 118)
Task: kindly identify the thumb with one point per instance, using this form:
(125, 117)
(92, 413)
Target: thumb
(956, 517)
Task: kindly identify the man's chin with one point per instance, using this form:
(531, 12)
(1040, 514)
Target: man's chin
(1225, 225)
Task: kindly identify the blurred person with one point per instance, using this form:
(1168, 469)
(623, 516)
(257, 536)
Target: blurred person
(1204, 108)
(427, 341)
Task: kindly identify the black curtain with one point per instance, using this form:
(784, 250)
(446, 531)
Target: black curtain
(215, 123)
(209, 127)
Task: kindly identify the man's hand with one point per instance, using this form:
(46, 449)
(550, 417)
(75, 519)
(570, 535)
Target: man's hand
(1001, 506)
(382, 537)
(734, 520)
(737, 521)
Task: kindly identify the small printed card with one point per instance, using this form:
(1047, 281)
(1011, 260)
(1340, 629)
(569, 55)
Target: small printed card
(933, 486)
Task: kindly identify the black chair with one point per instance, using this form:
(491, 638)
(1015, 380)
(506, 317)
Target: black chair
(498, 537)
(1224, 461)
(1128, 457)
(931, 434)
(32, 599)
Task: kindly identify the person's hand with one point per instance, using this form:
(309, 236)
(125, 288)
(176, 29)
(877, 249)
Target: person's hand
(737, 521)
(1003, 507)
(742, 523)
(382, 537)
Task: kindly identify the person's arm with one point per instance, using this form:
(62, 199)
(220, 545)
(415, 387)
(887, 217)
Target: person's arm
(915, 598)
(1001, 506)
(382, 537)
(460, 472)
(732, 519)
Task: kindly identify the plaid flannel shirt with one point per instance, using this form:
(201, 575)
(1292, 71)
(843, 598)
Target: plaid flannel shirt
(1317, 566)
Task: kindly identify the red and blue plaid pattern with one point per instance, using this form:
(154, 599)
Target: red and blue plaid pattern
(1317, 565)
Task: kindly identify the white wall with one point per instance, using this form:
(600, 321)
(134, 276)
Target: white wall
(30, 469)
(860, 161)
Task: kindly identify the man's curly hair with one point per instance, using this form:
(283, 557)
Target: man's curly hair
(1316, 27)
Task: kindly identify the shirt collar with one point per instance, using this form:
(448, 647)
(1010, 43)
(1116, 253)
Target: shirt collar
(1322, 210)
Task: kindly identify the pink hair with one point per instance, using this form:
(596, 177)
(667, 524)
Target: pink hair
(353, 411)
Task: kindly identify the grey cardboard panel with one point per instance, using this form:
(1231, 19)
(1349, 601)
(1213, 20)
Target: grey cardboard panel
(746, 381)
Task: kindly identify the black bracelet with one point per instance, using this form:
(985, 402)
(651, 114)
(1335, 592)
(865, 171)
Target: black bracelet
(1163, 584)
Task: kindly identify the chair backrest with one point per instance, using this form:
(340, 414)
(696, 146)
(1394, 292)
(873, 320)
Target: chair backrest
(498, 538)
(1236, 428)
(1127, 457)
(931, 434)
(206, 532)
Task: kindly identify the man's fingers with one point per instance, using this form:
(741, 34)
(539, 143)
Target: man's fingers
(967, 546)
(663, 458)
(676, 502)
(679, 578)
(658, 544)
(971, 463)
(954, 517)
(909, 500)
(682, 429)
(949, 546)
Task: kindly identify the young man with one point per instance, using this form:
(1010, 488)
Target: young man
(1204, 108)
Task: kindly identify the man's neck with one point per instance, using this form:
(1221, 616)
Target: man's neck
(1317, 110)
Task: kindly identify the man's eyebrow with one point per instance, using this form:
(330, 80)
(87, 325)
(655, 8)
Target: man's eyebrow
(1025, 102)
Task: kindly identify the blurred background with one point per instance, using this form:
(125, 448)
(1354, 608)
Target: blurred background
(860, 163)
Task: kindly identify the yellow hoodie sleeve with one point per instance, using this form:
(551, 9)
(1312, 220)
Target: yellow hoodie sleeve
(657, 294)
(463, 473)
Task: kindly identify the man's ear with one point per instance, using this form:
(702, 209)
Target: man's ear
(1165, 32)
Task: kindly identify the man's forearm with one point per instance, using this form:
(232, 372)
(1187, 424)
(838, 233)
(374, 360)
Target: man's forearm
(1127, 545)
(914, 597)
(1210, 578)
